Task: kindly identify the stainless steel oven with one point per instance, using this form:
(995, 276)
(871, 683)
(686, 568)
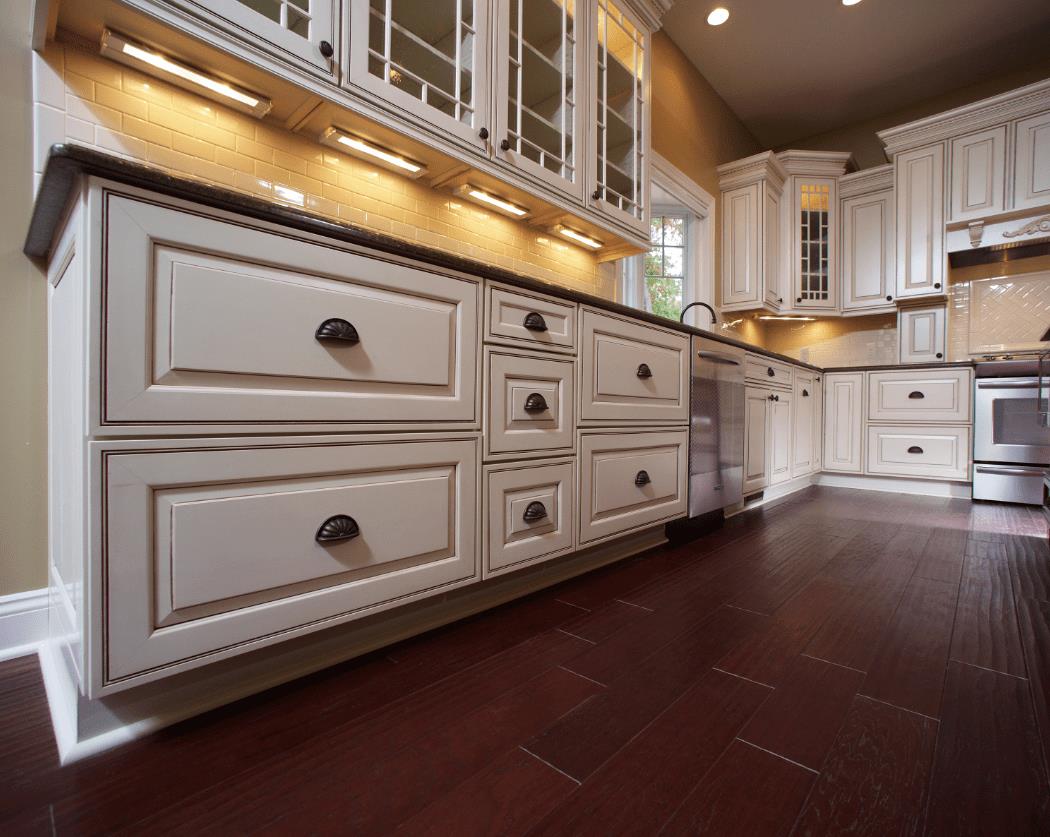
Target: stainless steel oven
(1011, 446)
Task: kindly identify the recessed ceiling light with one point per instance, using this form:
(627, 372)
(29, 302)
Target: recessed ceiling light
(850, 2)
(719, 16)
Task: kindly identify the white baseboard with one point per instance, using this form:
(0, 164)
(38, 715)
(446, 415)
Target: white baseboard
(23, 623)
(898, 485)
(773, 492)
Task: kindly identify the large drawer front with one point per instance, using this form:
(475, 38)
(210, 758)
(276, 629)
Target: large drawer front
(529, 513)
(939, 395)
(632, 372)
(630, 480)
(940, 453)
(532, 321)
(212, 551)
(227, 318)
(768, 372)
(530, 404)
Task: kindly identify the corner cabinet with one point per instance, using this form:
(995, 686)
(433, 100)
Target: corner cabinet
(867, 261)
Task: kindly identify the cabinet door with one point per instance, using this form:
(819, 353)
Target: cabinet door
(780, 448)
(806, 397)
(771, 246)
(294, 27)
(867, 265)
(921, 333)
(740, 245)
(920, 221)
(429, 59)
(621, 113)
(978, 179)
(1032, 166)
(756, 438)
(843, 421)
(817, 428)
(813, 208)
(539, 73)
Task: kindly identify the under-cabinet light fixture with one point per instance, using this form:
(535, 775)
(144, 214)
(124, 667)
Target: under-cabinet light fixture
(787, 319)
(473, 193)
(143, 58)
(850, 2)
(718, 16)
(577, 237)
(373, 153)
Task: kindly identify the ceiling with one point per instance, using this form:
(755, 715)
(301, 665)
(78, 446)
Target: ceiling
(794, 68)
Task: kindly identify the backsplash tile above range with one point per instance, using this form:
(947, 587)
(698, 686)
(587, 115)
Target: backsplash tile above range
(998, 314)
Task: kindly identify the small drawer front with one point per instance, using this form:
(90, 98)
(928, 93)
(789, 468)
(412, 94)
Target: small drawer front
(764, 370)
(530, 320)
(630, 480)
(632, 372)
(938, 453)
(239, 325)
(530, 404)
(939, 395)
(529, 514)
(210, 552)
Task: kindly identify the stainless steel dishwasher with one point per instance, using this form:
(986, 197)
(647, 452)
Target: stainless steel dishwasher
(716, 426)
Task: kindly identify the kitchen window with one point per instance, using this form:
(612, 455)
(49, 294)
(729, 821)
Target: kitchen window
(665, 264)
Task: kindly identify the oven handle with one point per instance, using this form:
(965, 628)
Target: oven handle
(1009, 470)
(993, 383)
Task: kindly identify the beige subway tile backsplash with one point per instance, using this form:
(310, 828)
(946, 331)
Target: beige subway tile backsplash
(81, 97)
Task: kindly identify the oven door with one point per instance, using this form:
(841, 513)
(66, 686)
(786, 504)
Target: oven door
(1006, 422)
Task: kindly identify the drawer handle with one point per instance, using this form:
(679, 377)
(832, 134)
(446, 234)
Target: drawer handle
(534, 322)
(770, 372)
(644, 372)
(340, 527)
(642, 478)
(915, 449)
(535, 403)
(534, 511)
(337, 329)
(916, 394)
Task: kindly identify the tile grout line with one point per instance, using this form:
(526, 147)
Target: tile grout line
(551, 766)
(741, 677)
(584, 676)
(778, 755)
(833, 663)
(570, 604)
(986, 668)
(901, 708)
(574, 636)
(632, 604)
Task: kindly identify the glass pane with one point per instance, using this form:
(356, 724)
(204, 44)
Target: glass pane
(267, 8)
(674, 261)
(293, 15)
(674, 231)
(665, 296)
(298, 23)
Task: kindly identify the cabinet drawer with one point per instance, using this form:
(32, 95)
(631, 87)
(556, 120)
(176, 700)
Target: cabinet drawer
(529, 513)
(927, 395)
(533, 321)
(530, 404)
(939, 453)
(210, 552)
(632, 372)
(766, 371)
(219, 323)
(631, 480)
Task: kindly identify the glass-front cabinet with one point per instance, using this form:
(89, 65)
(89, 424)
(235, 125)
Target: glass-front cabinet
(621, 112)
(431, 59)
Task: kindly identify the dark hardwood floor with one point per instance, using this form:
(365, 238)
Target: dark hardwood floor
(840, 661)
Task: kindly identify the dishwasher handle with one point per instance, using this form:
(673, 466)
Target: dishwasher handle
(717, 358)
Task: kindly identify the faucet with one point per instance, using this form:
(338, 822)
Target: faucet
(714, 316)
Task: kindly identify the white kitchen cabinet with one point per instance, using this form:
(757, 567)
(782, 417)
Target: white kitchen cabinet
(804, 435)
(921, 334)
(978, 174)
(930, 452)
(818, 423)
(758, 403)
(620, 64)
(941, 396)
(429, 59)
(919, 175)
(781, 449)
(844, 422)
(752, 269)
(1032, 162)
(867, 263)
(540, 73)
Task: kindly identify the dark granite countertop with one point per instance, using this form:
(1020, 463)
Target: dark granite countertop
(67, 163)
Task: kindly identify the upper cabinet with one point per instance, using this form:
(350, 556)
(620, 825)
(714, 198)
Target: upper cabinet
(621, 112)
(867, 255)
(431, 59)
(920, 221)
(978, 174)
(540, 77)
(1032, 162)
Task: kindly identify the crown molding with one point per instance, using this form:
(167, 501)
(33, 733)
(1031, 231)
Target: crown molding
(1014, 104)
(753, 169)
(866, 181)
(816, 163)
(650, 11)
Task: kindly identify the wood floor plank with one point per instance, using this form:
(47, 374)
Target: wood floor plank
(766, 593)
(587, 737)
(874, 780)
(1034, 621)
(800, 720)
(748, 791)
(1029, 567)
(508, 797)
(942, 557)
(602, 623)
(908, 668)
(989, 776)
(986, 631)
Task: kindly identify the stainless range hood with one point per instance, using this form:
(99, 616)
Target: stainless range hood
(998, 239)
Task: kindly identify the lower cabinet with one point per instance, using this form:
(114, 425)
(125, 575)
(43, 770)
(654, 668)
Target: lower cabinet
(930, 452)
(758, 403)
(780, 438)
(630, 480)
(804, 427)
(844, 422)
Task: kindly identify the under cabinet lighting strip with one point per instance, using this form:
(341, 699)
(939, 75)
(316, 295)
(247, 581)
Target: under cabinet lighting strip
(578, 237)
(373, 153)
(477, 195)
(143, 58)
